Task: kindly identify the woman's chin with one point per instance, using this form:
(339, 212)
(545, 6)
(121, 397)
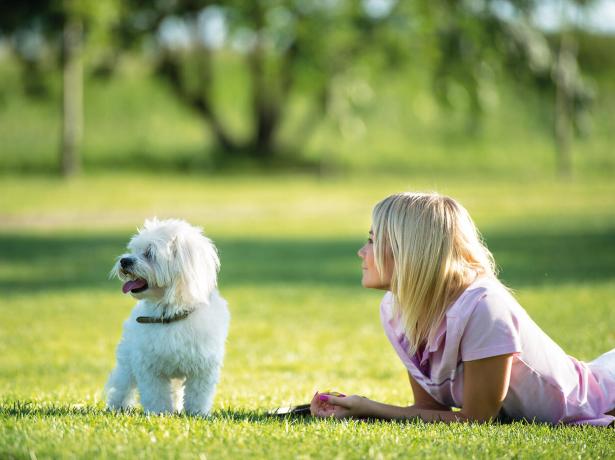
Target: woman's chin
(371, 284)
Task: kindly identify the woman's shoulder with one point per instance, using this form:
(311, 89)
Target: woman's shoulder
(485, 296)
(488, 321)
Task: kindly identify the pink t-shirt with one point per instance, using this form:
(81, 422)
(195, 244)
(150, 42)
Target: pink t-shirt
(546, 385)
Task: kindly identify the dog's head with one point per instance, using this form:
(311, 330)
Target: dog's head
(169, 262)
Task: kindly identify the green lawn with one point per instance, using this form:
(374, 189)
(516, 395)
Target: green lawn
(300, 320)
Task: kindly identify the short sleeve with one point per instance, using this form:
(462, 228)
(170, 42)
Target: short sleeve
(491, 330)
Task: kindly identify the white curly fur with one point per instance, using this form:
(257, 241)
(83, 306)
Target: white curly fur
(176, 365)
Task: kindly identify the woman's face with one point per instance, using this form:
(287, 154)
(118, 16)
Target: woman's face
(371, 277)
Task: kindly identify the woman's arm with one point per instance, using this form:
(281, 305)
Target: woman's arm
(422, 399)
(485, 385)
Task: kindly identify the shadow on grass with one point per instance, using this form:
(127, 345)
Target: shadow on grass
(36, 410)
(34, 263)
(187, 161)
(32, 409)
(26, 408)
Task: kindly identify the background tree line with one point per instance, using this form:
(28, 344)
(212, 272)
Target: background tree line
(291, 47)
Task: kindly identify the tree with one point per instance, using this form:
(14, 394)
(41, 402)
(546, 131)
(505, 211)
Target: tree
(473, 36)
(53, 33)
(283, 40)
(285, 44)
(292, 47)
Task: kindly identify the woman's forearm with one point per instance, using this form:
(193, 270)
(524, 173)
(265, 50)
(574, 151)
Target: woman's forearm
(388, 412)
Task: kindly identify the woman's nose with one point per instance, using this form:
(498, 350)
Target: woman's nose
(361, 252)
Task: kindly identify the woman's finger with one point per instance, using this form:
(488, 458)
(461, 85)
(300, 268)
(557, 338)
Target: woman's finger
(335, 400)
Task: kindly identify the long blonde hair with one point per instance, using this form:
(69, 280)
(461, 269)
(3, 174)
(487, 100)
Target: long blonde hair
(435, 250)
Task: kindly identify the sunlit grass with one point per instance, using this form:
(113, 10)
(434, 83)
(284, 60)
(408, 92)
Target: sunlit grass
(94, 433)
(291, 205)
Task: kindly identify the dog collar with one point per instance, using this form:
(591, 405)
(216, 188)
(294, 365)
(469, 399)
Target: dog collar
(163, 320)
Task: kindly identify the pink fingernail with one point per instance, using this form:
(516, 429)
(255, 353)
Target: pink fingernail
(323, 398)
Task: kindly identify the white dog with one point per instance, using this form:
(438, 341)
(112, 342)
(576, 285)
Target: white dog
(172, 344)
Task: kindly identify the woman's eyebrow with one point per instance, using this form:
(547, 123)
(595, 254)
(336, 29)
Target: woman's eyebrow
(371, 232)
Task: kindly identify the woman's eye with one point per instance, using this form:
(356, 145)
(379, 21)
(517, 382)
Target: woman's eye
(370, 240)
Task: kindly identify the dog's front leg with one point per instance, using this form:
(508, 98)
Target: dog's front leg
(177, 394)
(120, 388)
(155, 393)
(199, 393)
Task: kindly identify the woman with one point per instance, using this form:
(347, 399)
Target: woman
(464, 340)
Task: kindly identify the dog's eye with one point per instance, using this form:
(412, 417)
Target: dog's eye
(148, 254)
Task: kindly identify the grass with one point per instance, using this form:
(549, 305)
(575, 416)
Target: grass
(134, 436)
(300, 320)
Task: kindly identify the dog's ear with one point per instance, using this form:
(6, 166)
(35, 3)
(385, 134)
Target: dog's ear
(197, 265)
(150, 223)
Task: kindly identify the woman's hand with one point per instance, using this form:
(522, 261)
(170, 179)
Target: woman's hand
(332, 404)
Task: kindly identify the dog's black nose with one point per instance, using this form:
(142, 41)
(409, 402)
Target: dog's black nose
(126, 262)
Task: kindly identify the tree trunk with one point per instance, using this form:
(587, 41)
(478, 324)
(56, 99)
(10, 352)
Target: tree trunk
(564, 93)
(72, 97)
(264, 105)
(205, 100)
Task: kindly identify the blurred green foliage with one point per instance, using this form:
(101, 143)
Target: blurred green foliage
(385, 122)
(278, 83)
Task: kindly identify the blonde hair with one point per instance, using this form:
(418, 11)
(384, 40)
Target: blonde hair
(436, 251)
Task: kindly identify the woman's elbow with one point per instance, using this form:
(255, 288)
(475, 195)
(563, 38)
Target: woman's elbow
(477, 416)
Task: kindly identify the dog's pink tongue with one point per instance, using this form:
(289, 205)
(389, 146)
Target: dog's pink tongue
(135, 284)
